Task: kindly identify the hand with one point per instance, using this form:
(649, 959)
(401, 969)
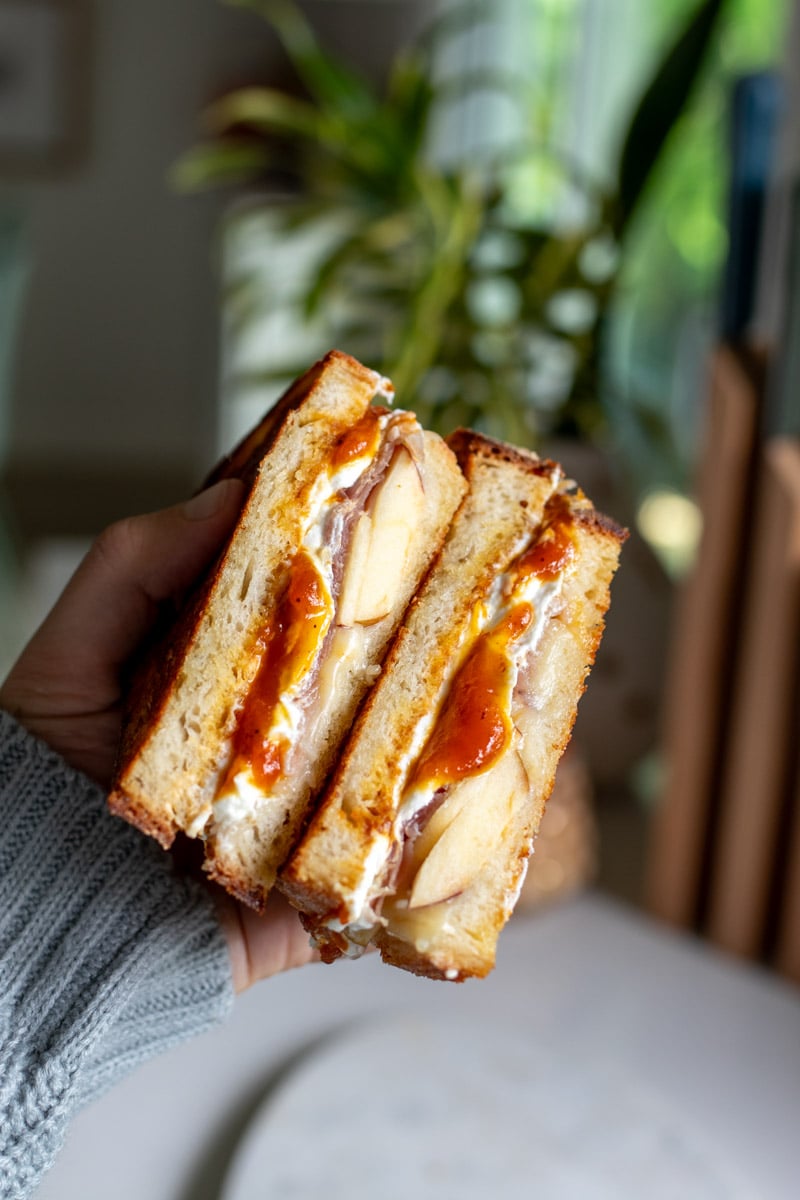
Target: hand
(66, 687)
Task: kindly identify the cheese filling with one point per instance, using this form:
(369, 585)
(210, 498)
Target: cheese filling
(358, 931)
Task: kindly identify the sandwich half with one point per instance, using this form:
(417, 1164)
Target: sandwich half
(239, 712)
(421, 841)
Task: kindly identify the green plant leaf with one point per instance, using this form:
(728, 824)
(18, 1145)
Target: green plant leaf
(267, 110)
(328, 80)
(350, 250)
(410, 97)
(519, 153)
(660, 107)
(223, 162)
(371, 248)
(405, 245)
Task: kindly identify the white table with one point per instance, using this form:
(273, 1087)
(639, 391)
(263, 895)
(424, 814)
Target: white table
(714, 1041)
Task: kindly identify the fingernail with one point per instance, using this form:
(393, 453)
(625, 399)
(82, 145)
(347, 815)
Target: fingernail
(208, 503)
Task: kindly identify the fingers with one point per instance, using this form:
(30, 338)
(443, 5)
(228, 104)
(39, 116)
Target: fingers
(263, 945)
(66, 685)
(160, 554)
(110, 603)
(142, 561)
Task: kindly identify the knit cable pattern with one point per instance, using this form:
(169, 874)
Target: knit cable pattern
(107, 956)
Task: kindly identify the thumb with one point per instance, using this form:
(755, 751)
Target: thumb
(111, 602)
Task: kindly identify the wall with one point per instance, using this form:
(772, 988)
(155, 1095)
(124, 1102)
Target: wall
(118, 347)
(116, 367)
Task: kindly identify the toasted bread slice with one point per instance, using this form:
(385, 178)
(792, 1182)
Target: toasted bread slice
(445, 925)
(188, 703)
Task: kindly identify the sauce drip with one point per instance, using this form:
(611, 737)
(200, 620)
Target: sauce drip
(553, 549)
(474, 728)
(288, 647)
(361, 439)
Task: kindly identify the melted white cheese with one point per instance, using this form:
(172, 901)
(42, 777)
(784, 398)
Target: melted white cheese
(361, 923)
(238, 802)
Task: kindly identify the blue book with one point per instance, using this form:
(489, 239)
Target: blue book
(756, 110)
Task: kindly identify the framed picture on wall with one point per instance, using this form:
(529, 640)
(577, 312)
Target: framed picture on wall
(44, 84)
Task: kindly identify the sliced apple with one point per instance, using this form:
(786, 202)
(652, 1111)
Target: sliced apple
(397, 508)
(354, 571)
(469, 791)
(378, 555)
(344, 652)
(472, 827)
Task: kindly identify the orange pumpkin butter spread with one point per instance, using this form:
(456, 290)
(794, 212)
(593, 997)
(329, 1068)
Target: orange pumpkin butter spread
(362, 439)
(474, 728)
(287, 646)
(553, 551)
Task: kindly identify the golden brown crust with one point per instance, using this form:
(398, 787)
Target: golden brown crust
(151, 686)
(136, 814)
(251, 893)
(601, 524)
(398, 953)
(276, 826)
(471, 449)
(242, 462)
(156, 675)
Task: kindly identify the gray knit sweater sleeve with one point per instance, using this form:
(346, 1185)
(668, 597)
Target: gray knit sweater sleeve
(107, 957)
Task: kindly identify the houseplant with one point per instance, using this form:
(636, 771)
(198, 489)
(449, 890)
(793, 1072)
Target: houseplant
(428, 270)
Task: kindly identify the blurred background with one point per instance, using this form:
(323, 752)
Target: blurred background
(570, 223)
